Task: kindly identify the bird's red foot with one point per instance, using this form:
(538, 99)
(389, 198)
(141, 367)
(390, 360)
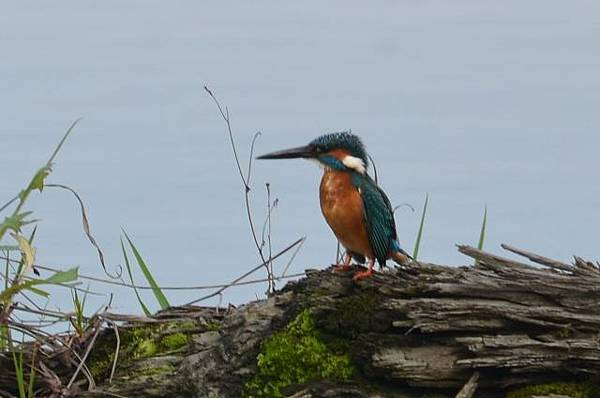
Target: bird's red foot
(362, 275)
(341, 267)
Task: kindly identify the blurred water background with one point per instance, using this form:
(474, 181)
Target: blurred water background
(476, 102)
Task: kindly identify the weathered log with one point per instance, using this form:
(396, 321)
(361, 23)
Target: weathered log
(407, 332)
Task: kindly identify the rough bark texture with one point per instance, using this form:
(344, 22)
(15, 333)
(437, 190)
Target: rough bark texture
(473, 331)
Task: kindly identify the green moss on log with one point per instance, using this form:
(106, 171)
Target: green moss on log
(174, 341)
(572, 390)
(296, 355)
(136, 343)
(352, 316)
(214, 326)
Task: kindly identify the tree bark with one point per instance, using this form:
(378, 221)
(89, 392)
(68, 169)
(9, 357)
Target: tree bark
(490, 327)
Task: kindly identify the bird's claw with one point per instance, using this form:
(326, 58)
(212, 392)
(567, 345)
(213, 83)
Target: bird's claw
(362, 275)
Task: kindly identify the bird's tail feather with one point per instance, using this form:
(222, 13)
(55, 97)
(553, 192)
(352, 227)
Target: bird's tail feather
(400, 256)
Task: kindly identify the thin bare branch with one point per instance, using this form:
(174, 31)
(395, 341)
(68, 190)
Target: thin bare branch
(85, 355)
(404, 205)
(271, 288)
(141, 287)
(245, 275)
(245, 182)
(251, 156)
(225, 116)
(291, 260)
(86, 225)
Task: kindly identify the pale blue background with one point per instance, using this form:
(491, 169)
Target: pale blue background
(476, 102)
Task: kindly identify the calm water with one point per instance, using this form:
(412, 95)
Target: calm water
(474, 102)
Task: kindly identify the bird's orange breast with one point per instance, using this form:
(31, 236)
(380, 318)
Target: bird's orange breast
(342, 207)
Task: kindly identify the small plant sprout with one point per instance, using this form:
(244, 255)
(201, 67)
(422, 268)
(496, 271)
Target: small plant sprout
(158, 293)
(79, 321)
(130, 273)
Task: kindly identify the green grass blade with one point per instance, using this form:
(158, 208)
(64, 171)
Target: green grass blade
(3, 338)
(85, 294)
(160, 297)
(32, 236)
(19, 372)
(62, 141)
(30, 391)
(482, 232)
(420, 233)
(67, 276)
(37, 182)
(137, 294)
(37, 291)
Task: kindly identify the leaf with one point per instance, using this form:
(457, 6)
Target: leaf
(16, 221)
(137, 294)
(37, 182)
(67, 276)
(6, 294)
(39, 178)
(31, 238)
(19, 372)
(160, 297)
(27, 254)
(37, 291)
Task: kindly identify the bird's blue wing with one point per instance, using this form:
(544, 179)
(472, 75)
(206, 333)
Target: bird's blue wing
(379, 216)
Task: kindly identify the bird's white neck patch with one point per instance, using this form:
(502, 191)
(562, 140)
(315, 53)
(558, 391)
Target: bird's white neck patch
(354, 163)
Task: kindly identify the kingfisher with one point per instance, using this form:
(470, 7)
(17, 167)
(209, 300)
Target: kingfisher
(356, 209)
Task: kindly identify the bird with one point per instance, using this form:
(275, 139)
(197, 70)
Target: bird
(354, 206)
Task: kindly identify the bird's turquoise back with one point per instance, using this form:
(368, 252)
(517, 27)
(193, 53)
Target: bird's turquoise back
(379, 216)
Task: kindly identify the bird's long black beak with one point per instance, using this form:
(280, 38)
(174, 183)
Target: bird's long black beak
(292, 153)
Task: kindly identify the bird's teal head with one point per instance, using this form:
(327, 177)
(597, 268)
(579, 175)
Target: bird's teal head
(339, 151)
